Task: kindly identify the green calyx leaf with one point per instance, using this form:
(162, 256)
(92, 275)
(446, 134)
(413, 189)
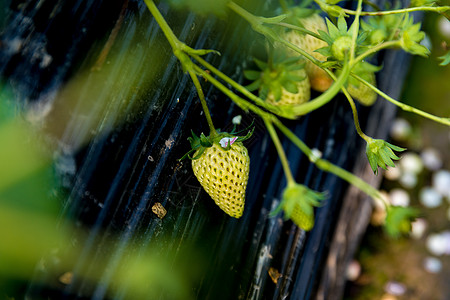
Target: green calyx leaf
(398, 220)
(380, 29)
(411, 36)
(379, 153)
(331, 9)
(198, 145)
(225, 139)
(339, 40)
(280, 73)
(445, 59)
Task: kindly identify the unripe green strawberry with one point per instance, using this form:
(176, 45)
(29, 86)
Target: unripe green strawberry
(298, 204)
(318, 78)
(359, 91)
(301, 219)
(287, 98)
(362, 93)
(224, 175)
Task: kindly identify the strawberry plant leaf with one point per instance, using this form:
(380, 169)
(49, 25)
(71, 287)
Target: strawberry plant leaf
(333, 31)
(261, 65)
(276, 91)
(445, 59)
(251, 74)
(398, 220)
(291, 87)
(254, 85)
(274, 20)
(342, 25)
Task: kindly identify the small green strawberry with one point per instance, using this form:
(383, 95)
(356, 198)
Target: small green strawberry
(221, 165)
(280, 82)
(298, 204)
(359, 91)
(362, 93)
(318, 78)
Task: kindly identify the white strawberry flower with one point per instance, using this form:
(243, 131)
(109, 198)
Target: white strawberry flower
(227, 141)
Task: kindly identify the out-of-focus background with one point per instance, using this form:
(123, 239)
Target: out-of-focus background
(417, 266)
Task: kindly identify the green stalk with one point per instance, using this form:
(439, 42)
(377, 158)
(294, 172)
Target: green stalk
(178, 49)
(299, 110)
(354, 110)
(375, 49)
(302, 30)
(438, 9)
(284, 162)
(170, 36)
(238, 87)
(405, 107)
(212, 130)
(326, 96)
(355, 27)
(257, 24)
(355, 115)
(242, 103)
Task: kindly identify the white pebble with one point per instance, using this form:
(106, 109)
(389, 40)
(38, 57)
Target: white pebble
(441, 182)
(353, 270)
(408, 180)
(432, 265)
(392, 173)
(401, 129)
(437, 244)
(446, 237)
(237, 120)
(444, 26)
(399, 197)
(395, 288)
(411, 163)
(431, 159)
(418, 228)
(429, 197)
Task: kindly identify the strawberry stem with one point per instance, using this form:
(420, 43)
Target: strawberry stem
(355, 27)
(181, 51)
(354, 110)
(325, 97)
(284, 162)
(212, 130)
(355, 114)
(238, 87)
(375, 49)
(403, 106)
(437, 9)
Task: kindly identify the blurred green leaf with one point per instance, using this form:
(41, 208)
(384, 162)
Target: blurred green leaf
(202, 7)
(445, 59)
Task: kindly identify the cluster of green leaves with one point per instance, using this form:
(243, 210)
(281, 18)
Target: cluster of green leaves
(200, 143)
(275, 75)
(339, 40)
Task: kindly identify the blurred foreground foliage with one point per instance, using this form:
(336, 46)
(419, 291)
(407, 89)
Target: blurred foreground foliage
(32, 238)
